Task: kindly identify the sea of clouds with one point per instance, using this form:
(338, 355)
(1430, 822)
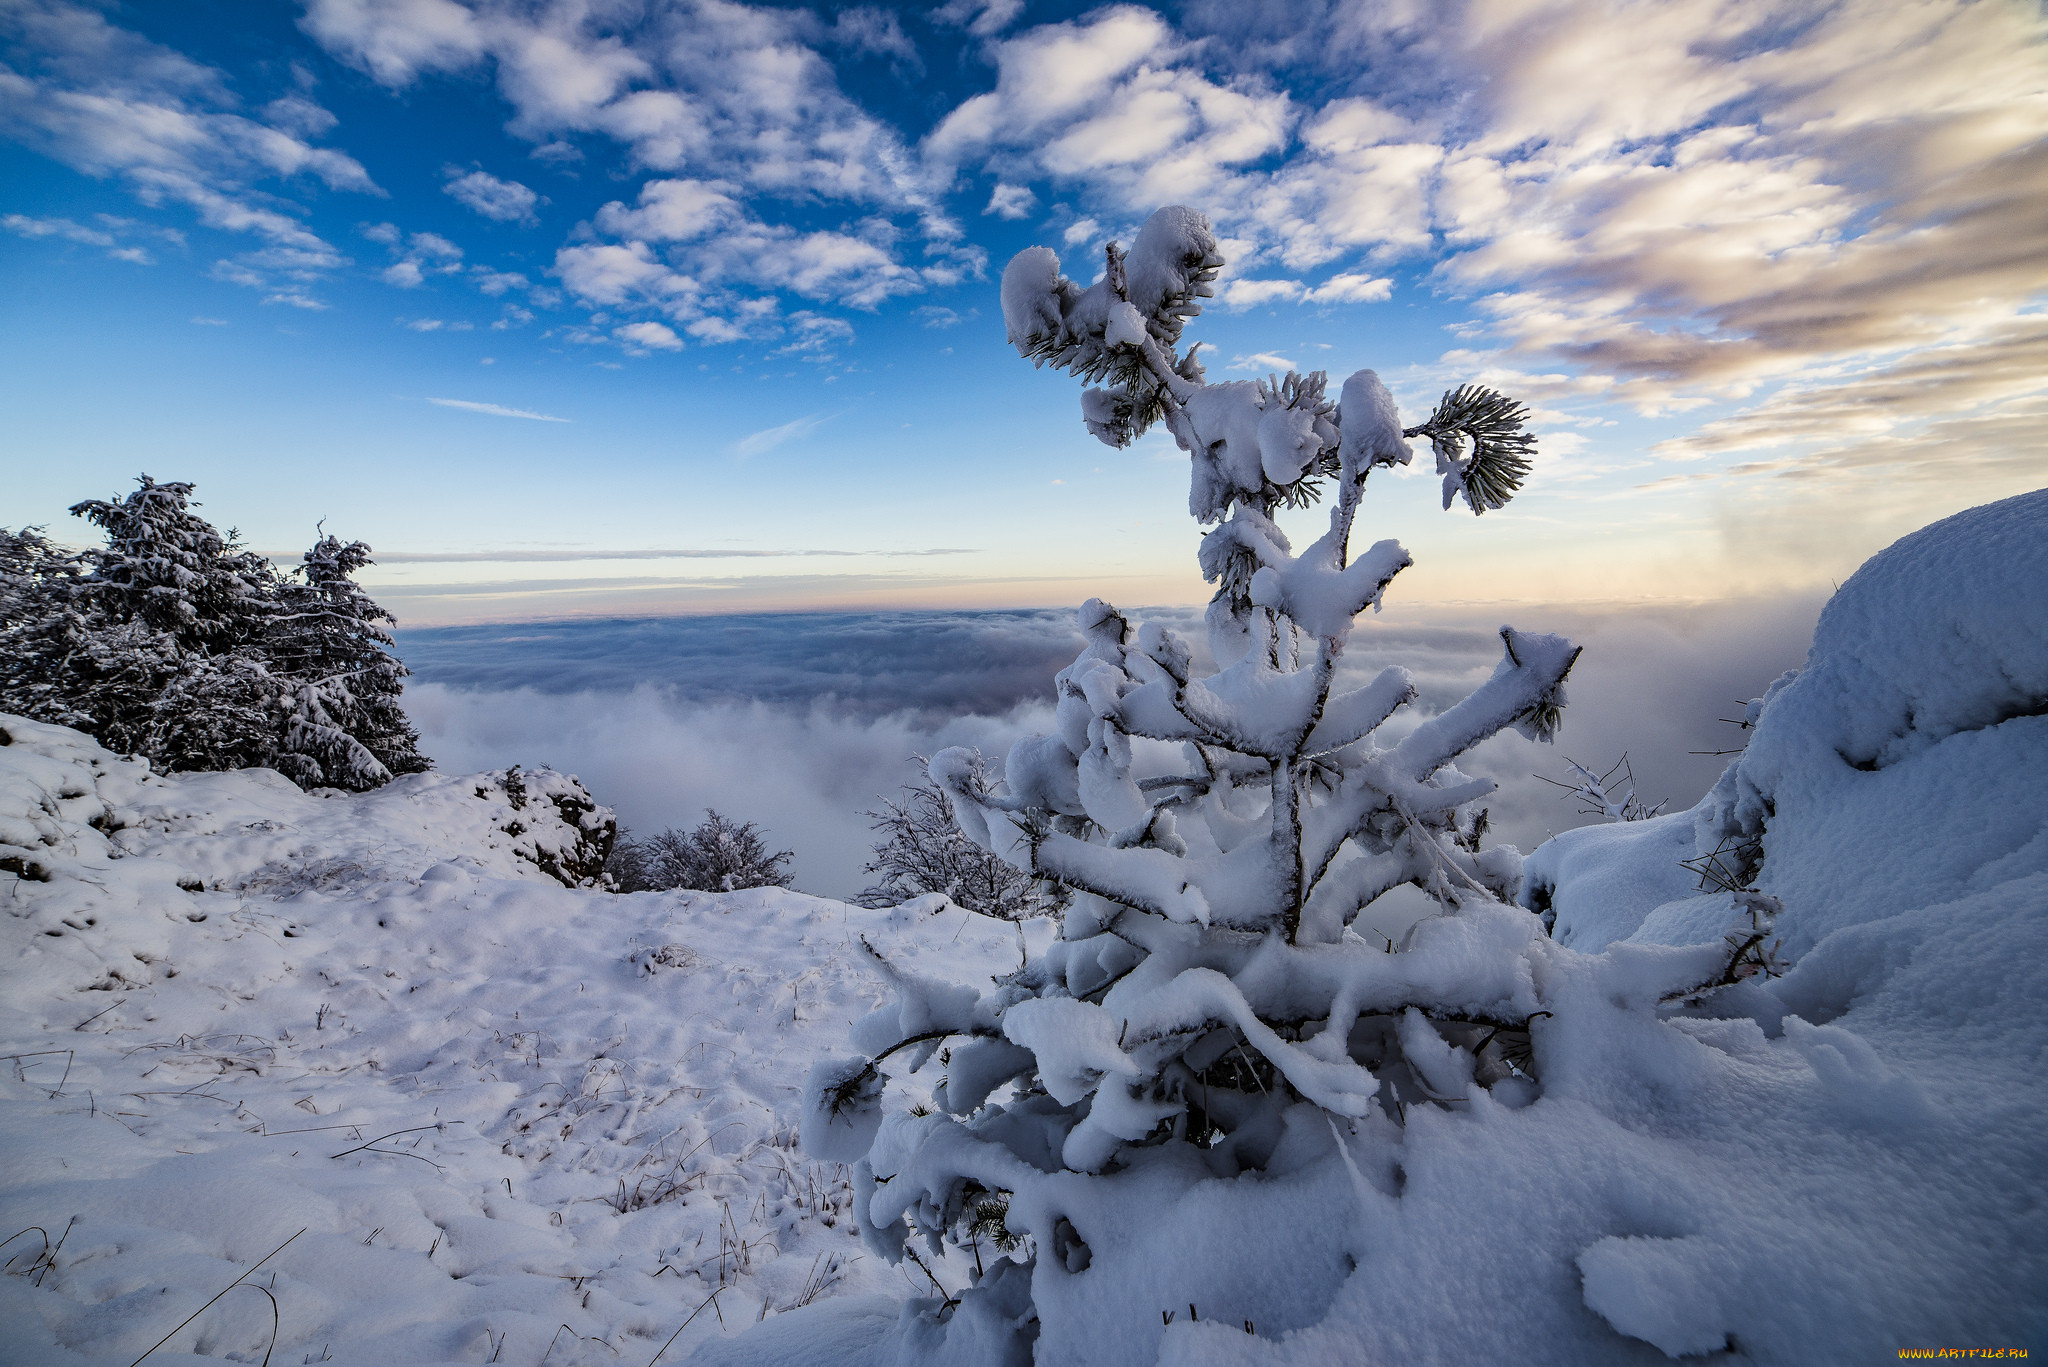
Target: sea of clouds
(800, 722)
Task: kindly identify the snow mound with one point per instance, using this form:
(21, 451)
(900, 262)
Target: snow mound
(1900, 768)
(495, 1104)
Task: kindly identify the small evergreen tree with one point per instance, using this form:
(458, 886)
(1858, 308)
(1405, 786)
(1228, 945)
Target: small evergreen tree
(1207, 1010)
(170, 569)
(39, 627)
(922, 851)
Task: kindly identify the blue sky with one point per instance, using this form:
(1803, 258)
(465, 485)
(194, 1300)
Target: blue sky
(516, 289)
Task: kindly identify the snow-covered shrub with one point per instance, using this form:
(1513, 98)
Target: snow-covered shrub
(1206, 1011)
(718, 855)
(921, 851)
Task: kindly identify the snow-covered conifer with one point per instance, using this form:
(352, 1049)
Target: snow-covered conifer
(330, 645)
(171, 569)
(1206, 1010)
(174, 642)
(39, 627)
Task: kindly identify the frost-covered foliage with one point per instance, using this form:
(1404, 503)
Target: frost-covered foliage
(173, 642)
(923, 852)
(1610, 794)
(1207, 1010)
(717, 855)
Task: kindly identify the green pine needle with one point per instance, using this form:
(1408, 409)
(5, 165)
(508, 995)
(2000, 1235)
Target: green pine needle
(1491, 424)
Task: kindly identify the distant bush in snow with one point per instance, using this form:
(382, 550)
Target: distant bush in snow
(921, 851)
(718, 855)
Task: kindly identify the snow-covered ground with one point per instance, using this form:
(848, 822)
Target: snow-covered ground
(492, 1117)
(494, 1104)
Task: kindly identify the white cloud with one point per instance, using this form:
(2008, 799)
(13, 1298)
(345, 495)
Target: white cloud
(211, 322)
(648, 336)
(1262, 360)
(766, 440)
(982, 18)
(1238, 295)
(66, 230)
(875, 32)
(1011, 201)
(507, 201)
(56, 227)
(419, 255)
(1351, 288)
(724, 245)
(495, 283)
(1081, 230)
(425, 325)
(495, 410)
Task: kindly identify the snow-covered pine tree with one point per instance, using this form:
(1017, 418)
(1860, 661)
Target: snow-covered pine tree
(170, 569)
(163, 635)
(330, 647)
(922, 851)
(1206, 1011)
(39, 627)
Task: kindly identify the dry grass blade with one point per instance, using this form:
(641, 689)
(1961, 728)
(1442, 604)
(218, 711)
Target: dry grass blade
(222, 1292)
(684, 1325)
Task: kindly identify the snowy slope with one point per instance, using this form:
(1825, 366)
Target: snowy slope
(495, 1104)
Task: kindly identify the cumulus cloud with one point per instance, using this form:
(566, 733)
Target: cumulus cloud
(1011, 201)
(648, 337)
(1262, 360)
(507, 201)
(800, 721)
(739, 91)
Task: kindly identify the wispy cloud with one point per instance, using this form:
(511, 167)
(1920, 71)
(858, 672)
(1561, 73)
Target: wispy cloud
(1262, 360)
(766, 440)
(496, 410)
(521, 557)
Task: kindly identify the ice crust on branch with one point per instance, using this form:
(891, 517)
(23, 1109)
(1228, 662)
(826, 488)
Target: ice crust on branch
(1219, 832)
